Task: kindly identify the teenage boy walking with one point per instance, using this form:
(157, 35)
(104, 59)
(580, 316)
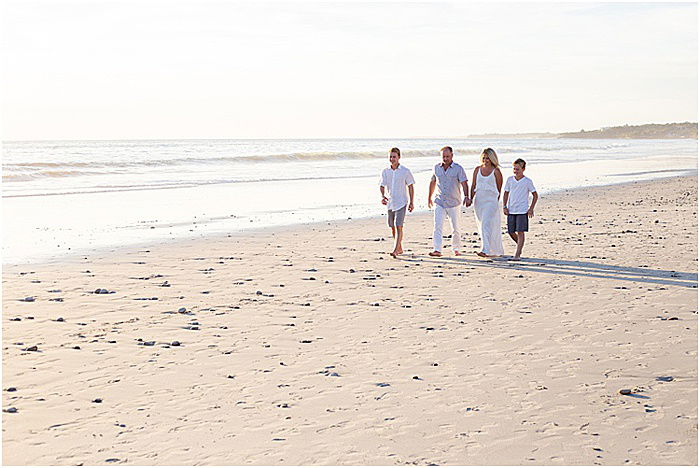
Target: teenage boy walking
(516, 196)
(395, 179)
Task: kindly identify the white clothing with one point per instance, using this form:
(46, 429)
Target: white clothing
(453, 214)
(488, 213)
(396, 181)
(519, 194)
(448, 182)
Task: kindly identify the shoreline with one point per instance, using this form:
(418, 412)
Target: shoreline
(102, 252)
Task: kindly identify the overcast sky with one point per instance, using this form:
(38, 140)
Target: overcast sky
(214, 69)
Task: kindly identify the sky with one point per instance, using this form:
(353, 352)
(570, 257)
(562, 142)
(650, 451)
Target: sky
(215, 69)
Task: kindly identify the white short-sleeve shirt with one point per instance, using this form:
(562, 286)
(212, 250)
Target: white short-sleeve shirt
(448, 182)
(519, 194)
(396, 181)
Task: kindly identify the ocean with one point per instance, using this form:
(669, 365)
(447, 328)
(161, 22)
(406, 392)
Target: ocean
(76, 197)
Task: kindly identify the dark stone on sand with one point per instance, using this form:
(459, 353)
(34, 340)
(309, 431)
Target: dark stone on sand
(32, 348)
(11, 389)
(664, 379)
(76, 347)
(28, 299)
(673, 318)
(60, 319)
(434, 364)
(97, 400)
(382, 384)
(305, 341)
(415, 377)
(625, 391)
(149, 343)
(181, 310)
(230, 376)
(333, 374)
(111, 460)
(258, 293)
(175, 343)
(351, 270)
(11, 409)
(16, 319)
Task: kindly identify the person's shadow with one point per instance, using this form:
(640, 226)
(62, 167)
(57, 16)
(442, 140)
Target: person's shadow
(577, 268)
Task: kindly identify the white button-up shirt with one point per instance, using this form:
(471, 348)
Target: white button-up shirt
(448, 182)
(396, 181)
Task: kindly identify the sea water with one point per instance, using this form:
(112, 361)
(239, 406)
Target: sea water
(74, 197)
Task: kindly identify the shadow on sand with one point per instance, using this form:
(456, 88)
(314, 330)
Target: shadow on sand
(574, 268)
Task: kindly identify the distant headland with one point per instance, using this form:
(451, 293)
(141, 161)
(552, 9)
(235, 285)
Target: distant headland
(682, 130)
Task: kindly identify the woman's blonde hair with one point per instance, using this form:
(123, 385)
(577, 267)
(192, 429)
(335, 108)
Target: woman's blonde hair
(491, 154)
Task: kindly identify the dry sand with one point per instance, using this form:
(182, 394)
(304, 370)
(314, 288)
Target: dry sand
(311, 345)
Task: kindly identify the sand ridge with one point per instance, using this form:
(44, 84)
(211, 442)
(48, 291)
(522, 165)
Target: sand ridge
(311, 345)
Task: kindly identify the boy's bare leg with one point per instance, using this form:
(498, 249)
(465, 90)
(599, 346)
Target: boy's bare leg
(521, 243)
(513, 236)
(398, 250)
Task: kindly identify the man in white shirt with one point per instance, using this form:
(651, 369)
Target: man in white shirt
(516, 196)
(449, 177)
(395, 180)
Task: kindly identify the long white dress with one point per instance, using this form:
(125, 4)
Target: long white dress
(488, 213)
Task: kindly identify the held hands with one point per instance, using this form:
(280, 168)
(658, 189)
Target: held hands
(467, 202)
(505, 210)
(385, 200)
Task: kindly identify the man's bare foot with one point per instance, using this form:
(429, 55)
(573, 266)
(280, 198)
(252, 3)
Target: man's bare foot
(457, 254)
(435, 254)
(393, 254)
(481, 254)
(515, 259)
(398, 251)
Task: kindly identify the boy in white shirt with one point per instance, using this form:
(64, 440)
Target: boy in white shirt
(515, 204)
(393, 185)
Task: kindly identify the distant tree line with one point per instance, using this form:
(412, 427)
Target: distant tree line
(650, 131)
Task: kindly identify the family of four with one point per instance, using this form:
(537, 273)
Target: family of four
(451, 182)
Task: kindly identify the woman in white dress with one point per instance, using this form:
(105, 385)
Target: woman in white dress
(486, 192)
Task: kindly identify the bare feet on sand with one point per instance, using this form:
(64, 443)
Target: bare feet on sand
(457, 254)
(396, 253)
(435, 253)
(481, 254)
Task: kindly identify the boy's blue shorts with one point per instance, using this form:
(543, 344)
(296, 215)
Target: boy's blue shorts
(517, 223)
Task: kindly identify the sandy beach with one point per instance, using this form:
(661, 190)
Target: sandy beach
(311, 345)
